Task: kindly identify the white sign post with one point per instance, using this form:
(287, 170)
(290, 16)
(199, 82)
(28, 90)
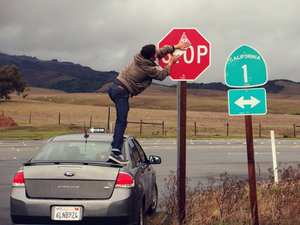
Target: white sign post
(274, 157)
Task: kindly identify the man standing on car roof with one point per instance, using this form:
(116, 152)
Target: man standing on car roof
(134, 79)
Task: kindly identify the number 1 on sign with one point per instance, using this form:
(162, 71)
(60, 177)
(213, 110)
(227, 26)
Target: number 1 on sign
(245, 73)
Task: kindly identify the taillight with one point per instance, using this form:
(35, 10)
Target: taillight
(19, 179)
(124, 180)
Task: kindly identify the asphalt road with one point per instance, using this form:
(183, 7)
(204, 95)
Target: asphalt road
(213, 157)
(204, 157)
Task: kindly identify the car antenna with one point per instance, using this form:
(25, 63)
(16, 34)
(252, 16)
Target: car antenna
(86, 135)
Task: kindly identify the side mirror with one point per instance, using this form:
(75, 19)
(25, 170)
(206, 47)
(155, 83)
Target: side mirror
(153, 159)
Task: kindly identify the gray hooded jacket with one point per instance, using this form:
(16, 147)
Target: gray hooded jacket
(138, 74)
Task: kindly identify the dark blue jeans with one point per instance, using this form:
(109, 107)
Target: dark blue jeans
(120, 97)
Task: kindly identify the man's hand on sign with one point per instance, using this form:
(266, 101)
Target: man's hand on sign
(174, 59)
(182, 45)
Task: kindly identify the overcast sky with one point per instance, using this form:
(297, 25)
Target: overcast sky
(105, 34)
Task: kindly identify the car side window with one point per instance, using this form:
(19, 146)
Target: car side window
(141, 152)
(135, 153)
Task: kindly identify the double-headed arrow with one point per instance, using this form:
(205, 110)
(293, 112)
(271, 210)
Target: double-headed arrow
(241, 102)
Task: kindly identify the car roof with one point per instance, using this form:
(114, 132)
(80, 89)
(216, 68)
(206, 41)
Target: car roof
(81, 137)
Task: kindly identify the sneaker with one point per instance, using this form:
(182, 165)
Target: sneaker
(118, 158)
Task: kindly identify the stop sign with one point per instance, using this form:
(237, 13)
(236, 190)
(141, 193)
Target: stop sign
(194, 61)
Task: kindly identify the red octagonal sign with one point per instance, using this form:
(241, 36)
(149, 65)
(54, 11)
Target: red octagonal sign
(194, 61)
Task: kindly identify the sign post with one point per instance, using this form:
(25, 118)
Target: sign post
(194, 61)
(181, 147)
(246, 68)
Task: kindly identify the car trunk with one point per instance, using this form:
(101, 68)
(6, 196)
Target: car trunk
(70, 181)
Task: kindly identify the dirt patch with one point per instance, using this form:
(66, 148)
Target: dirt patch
(7, 122)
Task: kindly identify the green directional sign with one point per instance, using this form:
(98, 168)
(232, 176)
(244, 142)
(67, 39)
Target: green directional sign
(247, 101)
(245, 67)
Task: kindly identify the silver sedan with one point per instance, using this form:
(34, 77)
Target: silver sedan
(71, 179)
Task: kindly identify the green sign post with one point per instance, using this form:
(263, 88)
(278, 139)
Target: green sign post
(246, 68)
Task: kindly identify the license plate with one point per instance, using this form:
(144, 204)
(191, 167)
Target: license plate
(66, 213)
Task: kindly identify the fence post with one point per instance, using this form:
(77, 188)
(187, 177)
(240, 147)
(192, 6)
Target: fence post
(141, 125)
(59, 118)
(30, 117)
(294, 130)
(91, 118)
(227, 129)
(195, 128)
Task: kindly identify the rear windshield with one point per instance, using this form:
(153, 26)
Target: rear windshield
(73, 151)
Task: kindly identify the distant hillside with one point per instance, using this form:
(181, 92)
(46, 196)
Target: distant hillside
(74, 78)
(65, 76)
(272, 86)
(285, 87)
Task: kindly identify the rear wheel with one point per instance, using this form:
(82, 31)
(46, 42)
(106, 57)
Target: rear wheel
(153, 205)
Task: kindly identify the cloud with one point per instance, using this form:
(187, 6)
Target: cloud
(105, 34)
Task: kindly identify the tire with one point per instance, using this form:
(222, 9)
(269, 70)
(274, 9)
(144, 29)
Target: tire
(154, 202)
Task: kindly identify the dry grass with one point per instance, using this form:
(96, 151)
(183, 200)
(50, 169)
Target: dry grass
(206, 112)
(225, 200)
(227, 204)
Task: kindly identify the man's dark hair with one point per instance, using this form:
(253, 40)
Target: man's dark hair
(148, 51)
